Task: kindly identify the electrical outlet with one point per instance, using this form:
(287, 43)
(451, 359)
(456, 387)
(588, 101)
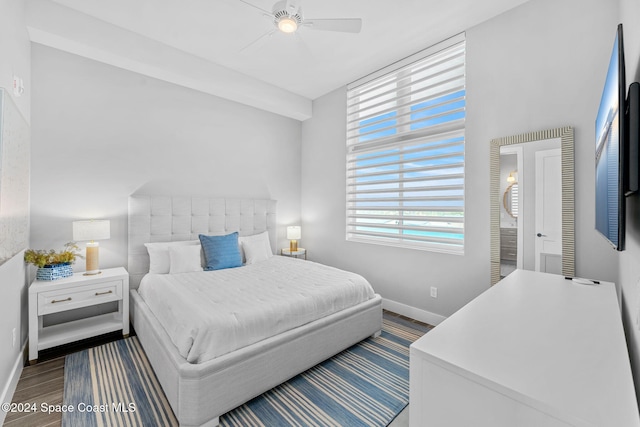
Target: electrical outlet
(434, 292)
(13, 337)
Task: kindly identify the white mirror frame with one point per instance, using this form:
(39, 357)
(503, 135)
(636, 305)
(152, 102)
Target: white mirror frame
(568, 199)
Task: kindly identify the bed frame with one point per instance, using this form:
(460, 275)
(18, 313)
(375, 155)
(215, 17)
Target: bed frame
(200, 393)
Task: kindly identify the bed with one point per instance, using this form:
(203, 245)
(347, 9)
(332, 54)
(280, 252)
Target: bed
(202, 386)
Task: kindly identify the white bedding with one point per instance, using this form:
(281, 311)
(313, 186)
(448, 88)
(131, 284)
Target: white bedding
(211, 313)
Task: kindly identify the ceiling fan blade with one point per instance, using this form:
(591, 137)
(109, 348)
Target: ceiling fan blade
(303, 53)
(256, 7)
(267, 34)
(346, 25)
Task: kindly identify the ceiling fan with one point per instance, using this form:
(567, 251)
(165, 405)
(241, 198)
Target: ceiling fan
(287, 18)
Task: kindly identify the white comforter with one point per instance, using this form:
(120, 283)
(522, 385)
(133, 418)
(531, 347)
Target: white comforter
(211, 313)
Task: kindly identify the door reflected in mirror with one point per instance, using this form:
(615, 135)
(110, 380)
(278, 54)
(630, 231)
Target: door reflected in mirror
(532, 203)
(539, 226)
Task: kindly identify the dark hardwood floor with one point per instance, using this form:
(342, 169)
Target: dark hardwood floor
(408, 319)
(39, 384)
(43, 383)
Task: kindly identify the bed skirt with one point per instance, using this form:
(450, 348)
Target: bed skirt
(200, 393)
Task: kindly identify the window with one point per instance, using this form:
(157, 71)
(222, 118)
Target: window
(405, 152)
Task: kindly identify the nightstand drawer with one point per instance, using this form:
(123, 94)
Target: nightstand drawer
(71, 298)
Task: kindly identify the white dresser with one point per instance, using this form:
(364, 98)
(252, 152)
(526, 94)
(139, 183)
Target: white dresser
(535, 350)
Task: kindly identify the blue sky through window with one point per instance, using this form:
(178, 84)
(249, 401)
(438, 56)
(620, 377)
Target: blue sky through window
(406, 165)
(379, 122)
(422, 112)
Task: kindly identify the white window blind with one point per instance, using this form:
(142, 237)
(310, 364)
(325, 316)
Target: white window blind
(405, 153)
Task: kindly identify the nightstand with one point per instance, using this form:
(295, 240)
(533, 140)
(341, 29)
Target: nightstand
(48, 297)
(300, 253)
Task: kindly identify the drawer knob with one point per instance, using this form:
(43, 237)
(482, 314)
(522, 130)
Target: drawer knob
(104, 293)
(60, 300)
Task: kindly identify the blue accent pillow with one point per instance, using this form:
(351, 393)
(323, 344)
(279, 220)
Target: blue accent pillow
(221, 251)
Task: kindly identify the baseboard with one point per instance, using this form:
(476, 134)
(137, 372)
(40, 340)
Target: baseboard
(10, 387)
(412, 312)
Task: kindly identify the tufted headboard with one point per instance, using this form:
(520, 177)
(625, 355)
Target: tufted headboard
(175, 218)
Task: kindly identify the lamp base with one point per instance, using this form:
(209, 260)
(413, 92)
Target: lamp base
(91, 273)
(293, 246)
(92, 259)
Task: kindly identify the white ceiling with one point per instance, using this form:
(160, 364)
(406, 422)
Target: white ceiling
(211, 34)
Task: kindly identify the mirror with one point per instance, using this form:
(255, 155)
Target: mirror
(510, 200)
(532, 203)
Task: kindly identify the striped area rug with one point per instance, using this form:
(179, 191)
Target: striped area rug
(114, 385)
(365, 385)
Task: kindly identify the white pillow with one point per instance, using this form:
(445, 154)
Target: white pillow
(256, 248)
(159, 262)
(184, 259)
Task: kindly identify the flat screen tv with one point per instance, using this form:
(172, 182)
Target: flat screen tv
(610, 150)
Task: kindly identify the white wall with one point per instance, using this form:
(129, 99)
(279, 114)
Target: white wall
(101, 133)
(14, 50)
(536, 67)
(14, 59)
(539, 67)
(629, 266)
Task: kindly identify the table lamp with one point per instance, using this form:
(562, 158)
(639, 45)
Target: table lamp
(90, 231)
(293, 234)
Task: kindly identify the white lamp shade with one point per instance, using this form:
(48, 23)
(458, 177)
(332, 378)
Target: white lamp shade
(91, 230)
(294, 232)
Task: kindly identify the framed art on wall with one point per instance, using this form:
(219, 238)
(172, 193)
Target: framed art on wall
(14, 179)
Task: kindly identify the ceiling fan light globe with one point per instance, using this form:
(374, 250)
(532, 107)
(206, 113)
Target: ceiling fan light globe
(287, 25)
